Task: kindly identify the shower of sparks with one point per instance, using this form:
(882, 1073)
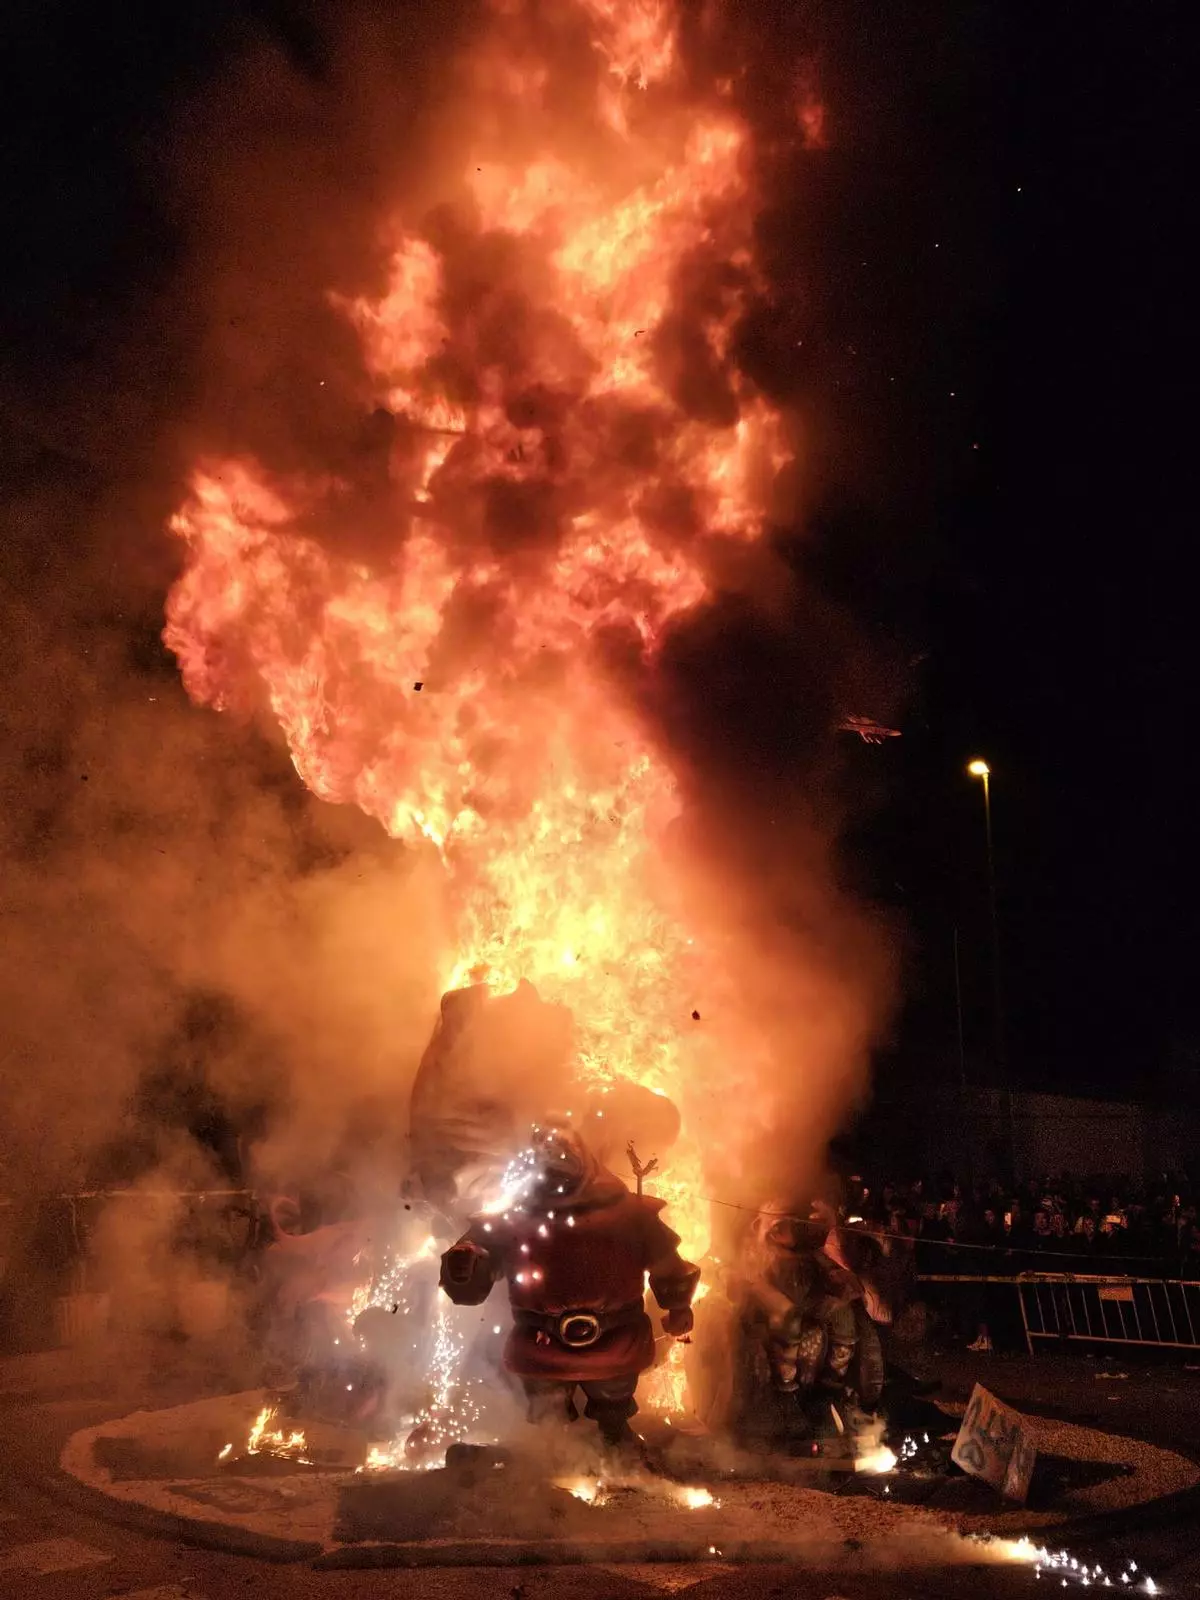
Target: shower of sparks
(515, 1184)
(391, 1286)
(1069, 1570)
(453, 1410)
(451, 1415)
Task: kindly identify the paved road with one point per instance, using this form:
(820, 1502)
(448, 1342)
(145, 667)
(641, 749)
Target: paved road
(1137, 1394)
(51, 1551)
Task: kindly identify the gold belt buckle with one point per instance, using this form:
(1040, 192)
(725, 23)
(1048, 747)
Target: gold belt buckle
(578, 1329)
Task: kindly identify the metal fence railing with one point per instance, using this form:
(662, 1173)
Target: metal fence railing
(1142, 1311)
(1098, 1308)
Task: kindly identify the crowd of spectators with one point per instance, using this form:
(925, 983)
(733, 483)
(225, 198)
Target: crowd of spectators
(993, 1230)
(1151, 1228)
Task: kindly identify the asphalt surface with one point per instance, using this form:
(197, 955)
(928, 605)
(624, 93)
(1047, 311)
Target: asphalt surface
(1140, 1395)
(51, 1549)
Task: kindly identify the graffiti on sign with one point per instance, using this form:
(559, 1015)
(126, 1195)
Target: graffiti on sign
(992, 1444)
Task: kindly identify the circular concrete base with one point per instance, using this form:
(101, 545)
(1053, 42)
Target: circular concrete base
(278, 1512)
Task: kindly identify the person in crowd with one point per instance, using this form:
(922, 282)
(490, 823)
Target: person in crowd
(979, 1230)
(933, 1226)
(1019, 1227)
(1090, 1213)
(933, 1234)
(1087, 1235)
(1187, 1245)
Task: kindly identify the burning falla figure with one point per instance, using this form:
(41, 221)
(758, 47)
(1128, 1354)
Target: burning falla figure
(804, 1312)
(576, 1251)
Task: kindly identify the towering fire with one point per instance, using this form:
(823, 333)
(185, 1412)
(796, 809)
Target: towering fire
(571, 448)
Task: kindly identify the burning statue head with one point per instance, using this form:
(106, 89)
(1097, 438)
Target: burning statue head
(795, 1228)
(564, 1164)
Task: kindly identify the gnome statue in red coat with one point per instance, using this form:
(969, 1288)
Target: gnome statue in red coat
(576, 1249)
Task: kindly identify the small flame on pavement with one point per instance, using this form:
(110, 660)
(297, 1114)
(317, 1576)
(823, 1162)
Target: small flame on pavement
(598, 1492)
(590, 1490)
(880, 1459)
(268, 1441)
(695, 1499)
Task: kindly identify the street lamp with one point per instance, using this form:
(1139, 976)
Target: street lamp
(978, 768)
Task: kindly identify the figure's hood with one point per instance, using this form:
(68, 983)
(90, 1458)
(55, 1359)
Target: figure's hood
(603, 1188)
(788, 1226)
(573, 1178)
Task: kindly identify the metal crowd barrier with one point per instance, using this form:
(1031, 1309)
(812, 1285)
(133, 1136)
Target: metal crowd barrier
(1146, 1311)
(1100, 1308)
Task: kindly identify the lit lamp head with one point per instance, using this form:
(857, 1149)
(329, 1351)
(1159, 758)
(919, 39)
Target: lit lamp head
(978, 768)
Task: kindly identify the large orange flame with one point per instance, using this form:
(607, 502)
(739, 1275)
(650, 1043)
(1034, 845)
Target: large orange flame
(558, 501)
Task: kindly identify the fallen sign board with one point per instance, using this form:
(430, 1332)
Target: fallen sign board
(992, 1444)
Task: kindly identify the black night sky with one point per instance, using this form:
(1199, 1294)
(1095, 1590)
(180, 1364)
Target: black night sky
(993, 270)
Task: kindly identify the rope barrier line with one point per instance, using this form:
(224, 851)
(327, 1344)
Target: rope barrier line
(159, 1194)
(1031, 1280)
(913, 1241)
(965, 1277)
(929, 1244)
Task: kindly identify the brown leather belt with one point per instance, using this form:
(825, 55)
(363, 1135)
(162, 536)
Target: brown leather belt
(579, 1329)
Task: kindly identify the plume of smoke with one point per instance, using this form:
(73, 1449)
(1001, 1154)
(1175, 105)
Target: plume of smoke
(151, 853)
(152, 856)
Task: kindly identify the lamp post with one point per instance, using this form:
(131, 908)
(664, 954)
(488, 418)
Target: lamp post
(978, 768)
(958, 1016)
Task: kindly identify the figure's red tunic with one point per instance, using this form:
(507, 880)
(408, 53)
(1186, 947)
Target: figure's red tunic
(593, 1253)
